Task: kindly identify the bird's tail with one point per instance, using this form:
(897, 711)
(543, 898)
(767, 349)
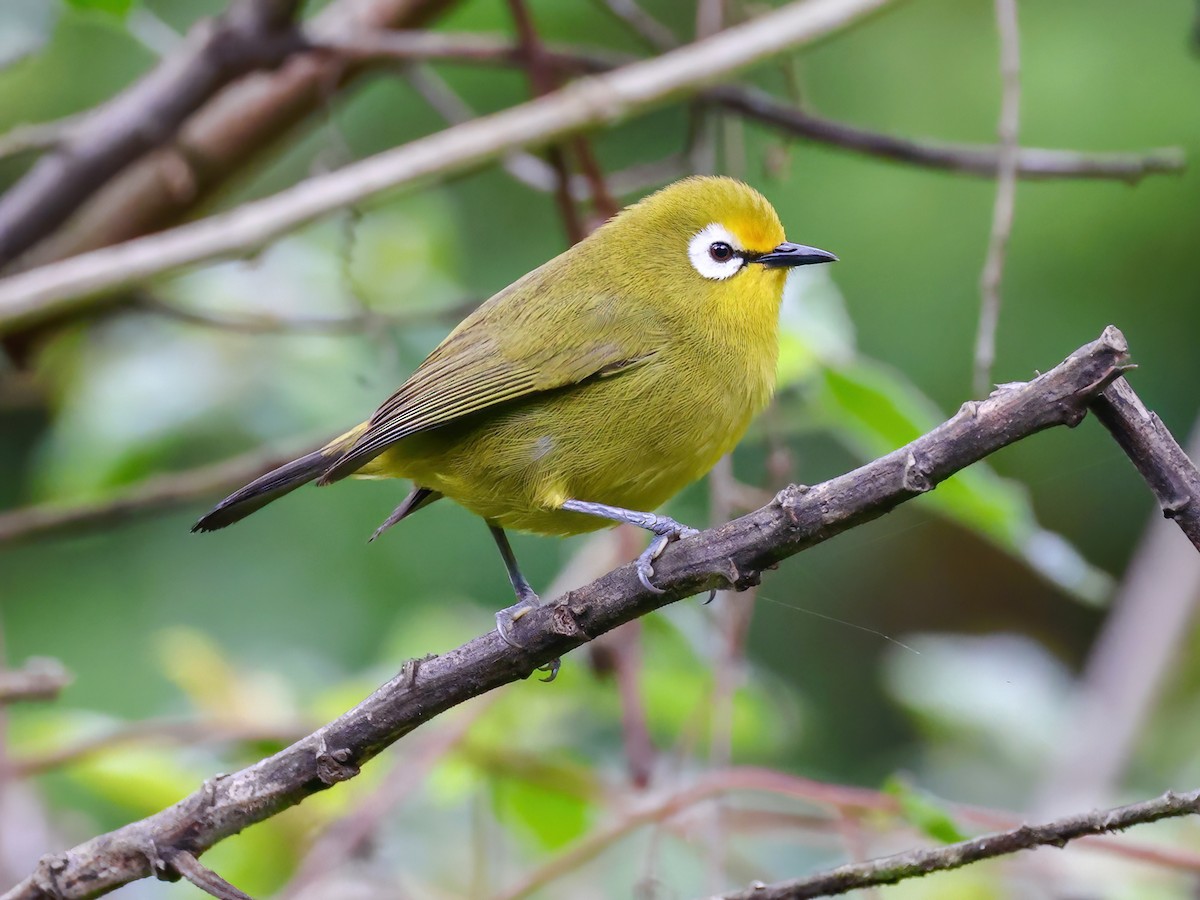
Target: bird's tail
(276, 483)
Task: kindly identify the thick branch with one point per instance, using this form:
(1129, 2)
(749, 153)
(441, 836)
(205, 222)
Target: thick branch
(1157, 455)
(914, 863)
(227, 135)
(602, 99)
(733, 555)
(253, 34)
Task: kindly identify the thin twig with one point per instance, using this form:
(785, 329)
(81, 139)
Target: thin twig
(191, 732)
(343, 838)
(542, 79)
(969, 159)
(270, 323)
(1006, 194)
(32, 136)
(156, 493)
(536, 173)
(206, 879)
(1155, 453)
(63, 287)
(656, 35)
(915, 863)
(40, 678)
(733, 555)
(839, 800)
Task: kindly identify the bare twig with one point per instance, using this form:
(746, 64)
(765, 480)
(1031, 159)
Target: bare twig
(155, 493)
(253, 34)
(536, 173)
(36, 136)
(733, 555)
(369, 46)
(269, 323)
(1156, 454)
(915, 863)
(1006, 193)
(840, 800)
(41, 678)
(182, 731)
(602, 99)
(656, 35)
(185, 864)
(341, 839)
(543, 80)
(969, 159)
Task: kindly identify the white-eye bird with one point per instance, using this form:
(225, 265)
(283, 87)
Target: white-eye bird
(591, 390)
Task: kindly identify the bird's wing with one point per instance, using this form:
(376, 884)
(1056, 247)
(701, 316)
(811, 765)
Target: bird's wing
(507, 349)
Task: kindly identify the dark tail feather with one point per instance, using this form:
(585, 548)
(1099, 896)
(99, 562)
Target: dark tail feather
(263, 490)
(419, 498)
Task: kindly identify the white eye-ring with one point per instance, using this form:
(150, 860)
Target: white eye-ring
(715, 253)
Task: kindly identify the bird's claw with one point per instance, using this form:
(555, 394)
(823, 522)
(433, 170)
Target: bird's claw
(506, 619)
(665, 530)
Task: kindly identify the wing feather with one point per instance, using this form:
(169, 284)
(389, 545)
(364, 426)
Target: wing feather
(490, 360)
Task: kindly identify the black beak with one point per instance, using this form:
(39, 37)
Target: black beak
(788, 255)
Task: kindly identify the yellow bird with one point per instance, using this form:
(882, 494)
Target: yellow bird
(591, 390)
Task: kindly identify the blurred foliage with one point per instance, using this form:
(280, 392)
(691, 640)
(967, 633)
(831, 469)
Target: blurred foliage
(942, 641)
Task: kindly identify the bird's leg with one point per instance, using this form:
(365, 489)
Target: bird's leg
(665, 530)
(527, 599)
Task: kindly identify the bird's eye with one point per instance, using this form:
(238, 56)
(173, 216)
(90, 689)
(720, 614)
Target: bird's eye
(715, 253)
(720, 252)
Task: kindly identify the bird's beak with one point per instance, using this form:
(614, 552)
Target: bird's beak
(787, 255)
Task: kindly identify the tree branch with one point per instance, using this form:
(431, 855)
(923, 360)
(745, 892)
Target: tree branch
(733, 555)
(1033, 163)
(1005, 205)
(41, 678)
(155, 493)
(227, 135)
(252, 34)
(604, 99)
(915, 863)
(971, 159)
(1155, 453)
(187, 866)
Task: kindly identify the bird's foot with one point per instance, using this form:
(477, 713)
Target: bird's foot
(506, 621)
(507, 618)
(665, 530)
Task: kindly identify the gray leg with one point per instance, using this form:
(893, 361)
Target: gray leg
(527, 599)
(664, 528)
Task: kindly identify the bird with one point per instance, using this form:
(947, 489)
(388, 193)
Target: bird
(591, 390)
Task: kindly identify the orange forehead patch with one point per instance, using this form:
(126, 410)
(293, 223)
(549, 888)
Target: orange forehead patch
(758, 234)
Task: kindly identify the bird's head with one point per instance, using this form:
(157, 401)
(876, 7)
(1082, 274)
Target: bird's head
(713, 235)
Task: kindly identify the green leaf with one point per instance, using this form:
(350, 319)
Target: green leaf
(873, 410)
(553, 818)
(924, 811)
